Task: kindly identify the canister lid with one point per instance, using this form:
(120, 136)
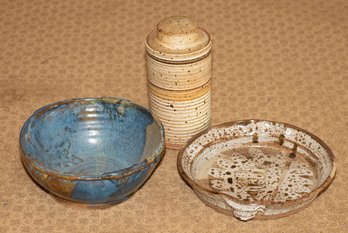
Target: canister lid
(178, 39)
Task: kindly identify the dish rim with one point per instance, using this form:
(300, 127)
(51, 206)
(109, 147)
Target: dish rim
(315, 192)
(28, 161)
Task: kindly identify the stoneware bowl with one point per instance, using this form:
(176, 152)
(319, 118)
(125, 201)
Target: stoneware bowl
(256, 168)
(92, 151)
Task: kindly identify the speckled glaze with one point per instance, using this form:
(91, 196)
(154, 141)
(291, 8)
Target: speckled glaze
(256, 168)
(179, 78)
(92, 151)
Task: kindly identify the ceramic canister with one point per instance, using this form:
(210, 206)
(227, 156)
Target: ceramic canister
(179, 78)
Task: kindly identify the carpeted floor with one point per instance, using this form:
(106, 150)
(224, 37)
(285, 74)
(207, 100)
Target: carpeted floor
(277, 60)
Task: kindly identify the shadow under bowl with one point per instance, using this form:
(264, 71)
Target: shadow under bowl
(93, 150)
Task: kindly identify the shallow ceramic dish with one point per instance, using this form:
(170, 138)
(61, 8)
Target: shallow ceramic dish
(256, 168)
(93, 151)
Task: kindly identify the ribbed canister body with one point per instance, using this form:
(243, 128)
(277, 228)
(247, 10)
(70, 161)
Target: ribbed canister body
(179, 90)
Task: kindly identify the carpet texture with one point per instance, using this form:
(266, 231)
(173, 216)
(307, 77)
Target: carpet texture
(278, 60)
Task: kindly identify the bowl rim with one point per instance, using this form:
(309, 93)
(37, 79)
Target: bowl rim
(29, 162)
(315, 192)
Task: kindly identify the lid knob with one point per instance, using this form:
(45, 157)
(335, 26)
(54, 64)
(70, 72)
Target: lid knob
(178, 38)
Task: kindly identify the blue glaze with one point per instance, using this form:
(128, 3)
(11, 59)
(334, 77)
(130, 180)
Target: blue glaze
(110, 190)
(92, 150)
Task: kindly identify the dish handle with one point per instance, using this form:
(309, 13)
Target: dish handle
(244, 212)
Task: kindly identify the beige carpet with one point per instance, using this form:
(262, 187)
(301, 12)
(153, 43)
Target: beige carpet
(277, 60)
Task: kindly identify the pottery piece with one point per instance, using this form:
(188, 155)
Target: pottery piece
(256, 168)
(94, 151)
(179, 78)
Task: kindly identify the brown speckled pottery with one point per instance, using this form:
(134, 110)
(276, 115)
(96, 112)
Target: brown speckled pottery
(179, 78)
(256, 168)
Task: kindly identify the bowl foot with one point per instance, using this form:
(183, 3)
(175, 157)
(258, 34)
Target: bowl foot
(73, 204)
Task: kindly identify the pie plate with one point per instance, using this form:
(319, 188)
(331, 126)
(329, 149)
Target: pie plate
(256, 168)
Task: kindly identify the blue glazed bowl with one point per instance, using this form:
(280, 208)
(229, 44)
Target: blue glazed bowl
(93, 151)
